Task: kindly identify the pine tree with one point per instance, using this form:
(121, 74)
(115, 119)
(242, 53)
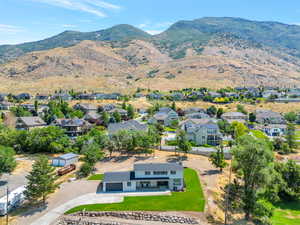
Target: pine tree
(130, 112)
(290, 136)
(41, 180)
(173, 106)
(117, 116)
(182, 142)
(105, 118)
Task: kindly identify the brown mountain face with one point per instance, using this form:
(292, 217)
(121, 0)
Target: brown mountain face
(124, 66)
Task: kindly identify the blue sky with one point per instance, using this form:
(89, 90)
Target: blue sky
(30, 20)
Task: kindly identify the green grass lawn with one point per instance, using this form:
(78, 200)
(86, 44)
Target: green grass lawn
(259, 134)
(297, 134)
(190, 200)
(96, 177)
(287, 213)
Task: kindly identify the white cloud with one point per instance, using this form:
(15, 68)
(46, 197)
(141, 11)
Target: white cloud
(153, 32)
(90, 6)
(10, 28)
(69, 26)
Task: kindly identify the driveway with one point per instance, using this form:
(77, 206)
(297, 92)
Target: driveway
(91, 198)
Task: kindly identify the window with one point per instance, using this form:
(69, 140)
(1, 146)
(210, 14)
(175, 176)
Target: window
(160, 172)
(173, 172)
(128, 184)
(147, 173)
(177, 182)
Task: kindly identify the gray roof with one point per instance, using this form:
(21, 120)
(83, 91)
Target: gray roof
(234, 114)
(117, 176)
(86, 106)
(33, 121)
(157, 166)
(126, 125)
(67, 156)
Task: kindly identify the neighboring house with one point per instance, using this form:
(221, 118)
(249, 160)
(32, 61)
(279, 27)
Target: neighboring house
(195, 95)
(122, 112)
(293, 93)
(193, 110)
(107, 107)
(6, 105)
(42, 97)
(269, 117)
(28, 107)
(63, 96)
(234, 116)
(130, 125)
(93, 117)
(271, 93)
(214, 94)
(86, 107)
(86, 96)
(65, 160)
(199, 115)
(138, 95)
(202, 131)
(165, 116)
(28, 123)
(177, 96)
(155, 96)
(272, 130)
(146, 177)
(2, 97)
(73, 127)
(23, 96)
(231, 94)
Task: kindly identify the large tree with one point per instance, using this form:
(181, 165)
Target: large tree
(218, 160)
(290, 136)
(253, 160)
(7, 160)
(182, 142)
(41, 180)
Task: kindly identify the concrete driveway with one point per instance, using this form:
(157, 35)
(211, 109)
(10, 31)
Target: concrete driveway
(92, 198)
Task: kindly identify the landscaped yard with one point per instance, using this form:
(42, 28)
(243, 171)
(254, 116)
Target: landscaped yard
(190, 200)
(96, 177)
(287, 213)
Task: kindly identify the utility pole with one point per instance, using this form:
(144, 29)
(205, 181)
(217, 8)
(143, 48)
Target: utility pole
(7, 200)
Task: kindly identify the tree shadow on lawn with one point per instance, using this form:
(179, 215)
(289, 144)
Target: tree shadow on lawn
(291, 205)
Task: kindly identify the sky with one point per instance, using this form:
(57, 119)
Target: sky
(31, 20)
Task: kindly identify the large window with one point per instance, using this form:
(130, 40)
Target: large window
(160, 172)
(173, 172)
(147, 172)
(177, 182)
(128, 184)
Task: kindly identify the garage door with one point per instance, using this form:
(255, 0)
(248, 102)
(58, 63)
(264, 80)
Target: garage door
(114, 187)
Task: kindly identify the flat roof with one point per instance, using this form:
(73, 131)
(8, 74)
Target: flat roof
(158, 166)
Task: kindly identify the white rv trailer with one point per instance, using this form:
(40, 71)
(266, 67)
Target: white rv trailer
(15, 198)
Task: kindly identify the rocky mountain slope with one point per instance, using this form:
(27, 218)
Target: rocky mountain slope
(212, 52)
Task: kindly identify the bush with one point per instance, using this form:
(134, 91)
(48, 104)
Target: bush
(85, 170)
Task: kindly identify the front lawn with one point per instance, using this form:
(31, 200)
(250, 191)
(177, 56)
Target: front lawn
(190, 200)
(287, 213)
(96, 177)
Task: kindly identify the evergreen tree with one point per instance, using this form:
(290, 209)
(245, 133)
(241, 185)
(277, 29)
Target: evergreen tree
(105, 118)
(173, 106)
(218, 159)
(182, 142)
(252, 117)
(41, 180)
(290, 136)
(220, 112)
(117, 117)
(130, 112)
(7, 160)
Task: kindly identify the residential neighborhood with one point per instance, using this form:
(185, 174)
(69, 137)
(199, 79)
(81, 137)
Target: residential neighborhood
(117, 149)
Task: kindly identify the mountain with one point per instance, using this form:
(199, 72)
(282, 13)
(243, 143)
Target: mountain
(211, 52)
(122, 32)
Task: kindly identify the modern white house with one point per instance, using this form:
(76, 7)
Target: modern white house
(145, 177)
(65, 160)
